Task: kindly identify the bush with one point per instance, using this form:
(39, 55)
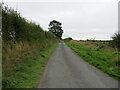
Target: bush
(68, 39)
(116, 40)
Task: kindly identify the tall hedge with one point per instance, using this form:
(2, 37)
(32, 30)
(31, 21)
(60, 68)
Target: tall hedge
(17, 28)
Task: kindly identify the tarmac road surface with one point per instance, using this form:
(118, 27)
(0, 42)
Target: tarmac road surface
(65, 69)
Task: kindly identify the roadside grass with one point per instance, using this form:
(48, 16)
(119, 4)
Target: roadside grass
(103, 59)
(27, 73)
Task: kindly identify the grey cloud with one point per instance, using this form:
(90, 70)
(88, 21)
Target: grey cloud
(80, 20)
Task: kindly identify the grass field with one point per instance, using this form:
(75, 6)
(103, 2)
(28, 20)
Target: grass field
(27, 74)
(99, 54)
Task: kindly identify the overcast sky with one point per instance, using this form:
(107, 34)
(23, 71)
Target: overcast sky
(84, 19)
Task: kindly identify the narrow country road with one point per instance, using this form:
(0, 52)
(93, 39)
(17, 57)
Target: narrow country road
(66, 69)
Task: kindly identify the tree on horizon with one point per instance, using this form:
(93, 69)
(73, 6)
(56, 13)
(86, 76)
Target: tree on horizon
(56, 28)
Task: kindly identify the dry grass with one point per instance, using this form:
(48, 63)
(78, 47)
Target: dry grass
(94, 45)
(15, 54)
(24, 62)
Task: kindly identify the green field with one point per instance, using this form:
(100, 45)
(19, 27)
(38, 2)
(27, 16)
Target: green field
(98, 54)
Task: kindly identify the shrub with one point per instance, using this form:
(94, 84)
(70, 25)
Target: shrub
(116, 40)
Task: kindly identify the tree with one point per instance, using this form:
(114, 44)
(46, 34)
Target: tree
(55, 28)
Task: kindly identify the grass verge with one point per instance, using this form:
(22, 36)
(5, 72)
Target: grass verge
(28, 72)
(105, 61)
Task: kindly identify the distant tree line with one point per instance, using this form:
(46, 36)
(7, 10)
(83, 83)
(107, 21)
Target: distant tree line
(68, 39)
